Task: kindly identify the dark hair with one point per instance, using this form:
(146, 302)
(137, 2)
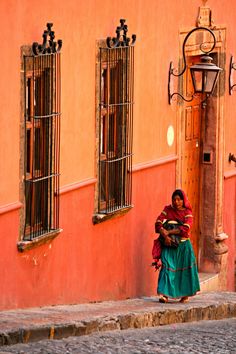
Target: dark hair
(179, 193)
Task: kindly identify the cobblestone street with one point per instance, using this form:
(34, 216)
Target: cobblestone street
(197, 337)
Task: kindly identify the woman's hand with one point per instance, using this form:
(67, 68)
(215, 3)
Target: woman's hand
(167, 241)
(165, 233)
(174, 232)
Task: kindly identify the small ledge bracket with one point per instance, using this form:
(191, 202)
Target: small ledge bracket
(38, 241)
(99, 217)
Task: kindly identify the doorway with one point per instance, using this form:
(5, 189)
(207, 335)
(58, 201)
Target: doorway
(200, 148)
(190, 152)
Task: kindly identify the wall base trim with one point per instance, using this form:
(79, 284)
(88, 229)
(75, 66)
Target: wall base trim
(229, 174)
(10, 207)
(154, 163)
(77, 185)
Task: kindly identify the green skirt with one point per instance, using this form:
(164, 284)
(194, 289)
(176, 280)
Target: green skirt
(178, 276)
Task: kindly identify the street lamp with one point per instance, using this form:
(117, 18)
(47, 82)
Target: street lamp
(204, 74)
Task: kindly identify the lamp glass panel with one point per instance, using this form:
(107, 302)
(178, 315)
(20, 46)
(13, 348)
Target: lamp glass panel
(197, 80)
(209, 81)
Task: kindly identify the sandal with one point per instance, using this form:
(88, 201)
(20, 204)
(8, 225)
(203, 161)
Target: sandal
(184, 299)
(163, 299)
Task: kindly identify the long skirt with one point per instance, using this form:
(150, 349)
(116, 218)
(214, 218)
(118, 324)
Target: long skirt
(178, 276)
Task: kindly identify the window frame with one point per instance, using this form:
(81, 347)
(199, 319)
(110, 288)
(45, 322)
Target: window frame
(122, 108)
(40, 127)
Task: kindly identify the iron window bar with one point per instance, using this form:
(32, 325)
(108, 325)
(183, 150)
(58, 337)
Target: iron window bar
(42, 136)
(35, 180)
(46, 116)
(115, 209)
(116, 122)
(117, 159)
(116, 104)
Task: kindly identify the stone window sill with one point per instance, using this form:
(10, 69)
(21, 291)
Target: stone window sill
(38, 241)
(99, 217)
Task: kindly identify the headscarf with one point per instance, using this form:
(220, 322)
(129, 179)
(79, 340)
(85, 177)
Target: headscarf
(184, 197)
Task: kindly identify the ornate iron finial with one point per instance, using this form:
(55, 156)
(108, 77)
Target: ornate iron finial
(52, 47)
(121, 39)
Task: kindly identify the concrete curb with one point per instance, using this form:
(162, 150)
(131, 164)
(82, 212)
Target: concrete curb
(140, 319)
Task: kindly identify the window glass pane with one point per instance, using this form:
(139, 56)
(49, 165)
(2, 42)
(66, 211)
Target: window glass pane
(210, 77)
(102, 135)
(37, 149)
(28, 154)
(28, 99)
(197, 78)
(111, 138)
(113, 83)
(104, 86)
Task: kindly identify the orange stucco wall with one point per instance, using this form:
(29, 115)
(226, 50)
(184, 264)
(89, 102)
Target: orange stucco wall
(87, 262)
(230, 222)
(111, 260)
(80, 24)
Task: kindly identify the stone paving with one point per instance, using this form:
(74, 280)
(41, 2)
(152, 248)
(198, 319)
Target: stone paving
(197, 337)
(56, 322)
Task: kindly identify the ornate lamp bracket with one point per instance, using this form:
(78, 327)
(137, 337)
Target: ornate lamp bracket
(174, 72)
(48, 46)
(232, 157)
(121, 39)
(231, 68)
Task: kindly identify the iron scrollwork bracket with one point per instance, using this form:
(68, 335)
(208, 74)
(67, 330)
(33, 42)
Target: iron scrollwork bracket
(173, 71)
(232, 157)
(49, 45)
(121, 39)
(231, 68)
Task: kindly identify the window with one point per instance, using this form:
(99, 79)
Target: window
(115, 128)
(42, 137)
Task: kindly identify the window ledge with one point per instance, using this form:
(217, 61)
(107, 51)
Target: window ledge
(28, 245)
(99, 217)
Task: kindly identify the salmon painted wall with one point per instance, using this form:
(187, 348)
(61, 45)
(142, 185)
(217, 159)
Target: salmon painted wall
(87, 262)
(230, 222)
(80, 24)
(111, 260)
(229, 207)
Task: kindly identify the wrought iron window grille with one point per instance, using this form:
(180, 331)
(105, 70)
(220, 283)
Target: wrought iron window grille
(48, 46)
(121, 39)
(42, 136)
(116, 121)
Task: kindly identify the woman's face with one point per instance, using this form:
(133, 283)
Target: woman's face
(177, 202)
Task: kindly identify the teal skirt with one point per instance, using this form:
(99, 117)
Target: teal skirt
(178, 276)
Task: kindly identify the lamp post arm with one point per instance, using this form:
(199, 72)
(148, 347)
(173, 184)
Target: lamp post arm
(201, 47)
(178, 94)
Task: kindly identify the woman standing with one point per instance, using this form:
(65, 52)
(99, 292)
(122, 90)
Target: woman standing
(178, 277)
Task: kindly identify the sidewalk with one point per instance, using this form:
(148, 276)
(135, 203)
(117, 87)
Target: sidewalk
(54, 322)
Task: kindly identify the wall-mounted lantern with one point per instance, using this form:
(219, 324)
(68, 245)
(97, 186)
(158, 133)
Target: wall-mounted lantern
(204, 74)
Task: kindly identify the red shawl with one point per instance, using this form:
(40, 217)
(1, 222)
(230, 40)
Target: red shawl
(171, 213)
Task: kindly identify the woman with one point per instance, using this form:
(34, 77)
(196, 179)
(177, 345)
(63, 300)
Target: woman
(178, 277)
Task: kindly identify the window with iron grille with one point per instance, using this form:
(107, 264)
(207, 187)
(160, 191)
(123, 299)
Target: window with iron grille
(116, 78)
(42, 137)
